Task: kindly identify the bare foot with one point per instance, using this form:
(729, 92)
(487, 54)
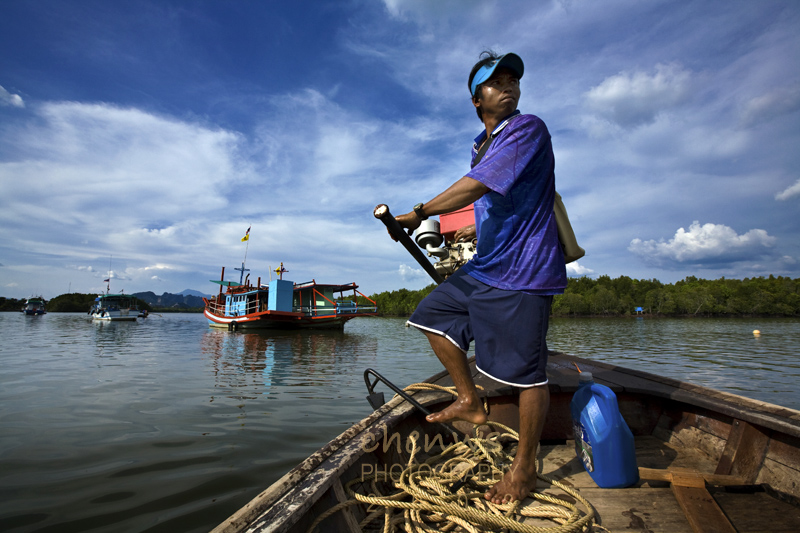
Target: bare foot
(461, 409)
(517, 484)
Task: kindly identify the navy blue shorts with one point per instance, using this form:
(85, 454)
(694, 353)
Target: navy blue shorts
(509, 327)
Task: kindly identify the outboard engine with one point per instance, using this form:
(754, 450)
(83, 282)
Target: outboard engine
(450, 257)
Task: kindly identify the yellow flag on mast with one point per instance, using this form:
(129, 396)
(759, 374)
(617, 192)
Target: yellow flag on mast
(247, 235)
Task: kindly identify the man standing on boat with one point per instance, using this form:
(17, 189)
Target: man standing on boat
(501, 299)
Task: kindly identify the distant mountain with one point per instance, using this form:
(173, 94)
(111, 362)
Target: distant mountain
(180, 301)
(192, 292)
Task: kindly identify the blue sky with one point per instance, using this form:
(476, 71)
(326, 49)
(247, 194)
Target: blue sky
(147, 136)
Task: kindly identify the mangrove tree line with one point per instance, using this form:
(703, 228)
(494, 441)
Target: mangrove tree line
(624, 296)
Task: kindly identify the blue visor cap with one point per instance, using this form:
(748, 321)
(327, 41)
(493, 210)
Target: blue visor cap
(512, 61)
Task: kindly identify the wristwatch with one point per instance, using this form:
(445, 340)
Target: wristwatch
(420, 213)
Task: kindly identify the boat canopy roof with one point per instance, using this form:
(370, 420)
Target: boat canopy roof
(334, 287)
(226, 283)
(107, 296)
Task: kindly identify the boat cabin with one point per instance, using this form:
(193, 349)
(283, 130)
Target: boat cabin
(34, 306)
(114, 302)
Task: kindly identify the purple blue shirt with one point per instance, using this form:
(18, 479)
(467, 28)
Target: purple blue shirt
(518, 246)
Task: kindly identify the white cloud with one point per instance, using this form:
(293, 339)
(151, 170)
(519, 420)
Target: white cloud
(702, 245)
(158, 267)
(8, 99)
(94, 157)
(636, 98)
(97, 163)
(408, 273)
(576, 270)
(793, 190)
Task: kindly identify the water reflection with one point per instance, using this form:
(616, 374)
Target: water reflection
(111, 338)
(251, 364)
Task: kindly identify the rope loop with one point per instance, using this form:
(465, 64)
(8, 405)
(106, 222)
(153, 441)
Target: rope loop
(445, 491)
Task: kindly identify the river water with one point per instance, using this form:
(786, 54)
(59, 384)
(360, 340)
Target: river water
(166, 425)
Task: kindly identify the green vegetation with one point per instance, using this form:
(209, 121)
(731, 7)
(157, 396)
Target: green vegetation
(66, 303)
(11, 304)
(71, 303)
(772, 296)
(399, 303)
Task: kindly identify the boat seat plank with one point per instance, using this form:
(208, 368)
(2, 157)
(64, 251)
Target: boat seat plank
(688, 477)
(638, 510)
(773, 515)
(702, 511)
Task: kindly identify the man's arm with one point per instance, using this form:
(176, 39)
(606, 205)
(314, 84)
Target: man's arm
(460, 194)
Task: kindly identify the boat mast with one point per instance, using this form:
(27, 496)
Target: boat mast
(108, 279)
(241, 275)
(280, 271)
(242, 270)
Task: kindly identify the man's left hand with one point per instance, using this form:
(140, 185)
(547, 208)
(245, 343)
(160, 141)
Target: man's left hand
(465, 233)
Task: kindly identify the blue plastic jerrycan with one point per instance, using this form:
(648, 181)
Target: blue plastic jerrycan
(603, 440)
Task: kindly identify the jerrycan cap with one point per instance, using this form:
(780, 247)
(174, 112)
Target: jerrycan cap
(585, 377)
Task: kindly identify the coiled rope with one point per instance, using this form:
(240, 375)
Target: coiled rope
(445, 492)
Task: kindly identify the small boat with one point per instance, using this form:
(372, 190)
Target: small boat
(707, 461)
(34, 306)
(114, 308)
(283, 304)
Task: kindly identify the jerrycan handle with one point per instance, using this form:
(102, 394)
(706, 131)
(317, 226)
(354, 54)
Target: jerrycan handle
(602, 394)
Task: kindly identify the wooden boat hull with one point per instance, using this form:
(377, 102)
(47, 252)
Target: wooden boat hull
(276, 320)
(115, 318)
(708, 460)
